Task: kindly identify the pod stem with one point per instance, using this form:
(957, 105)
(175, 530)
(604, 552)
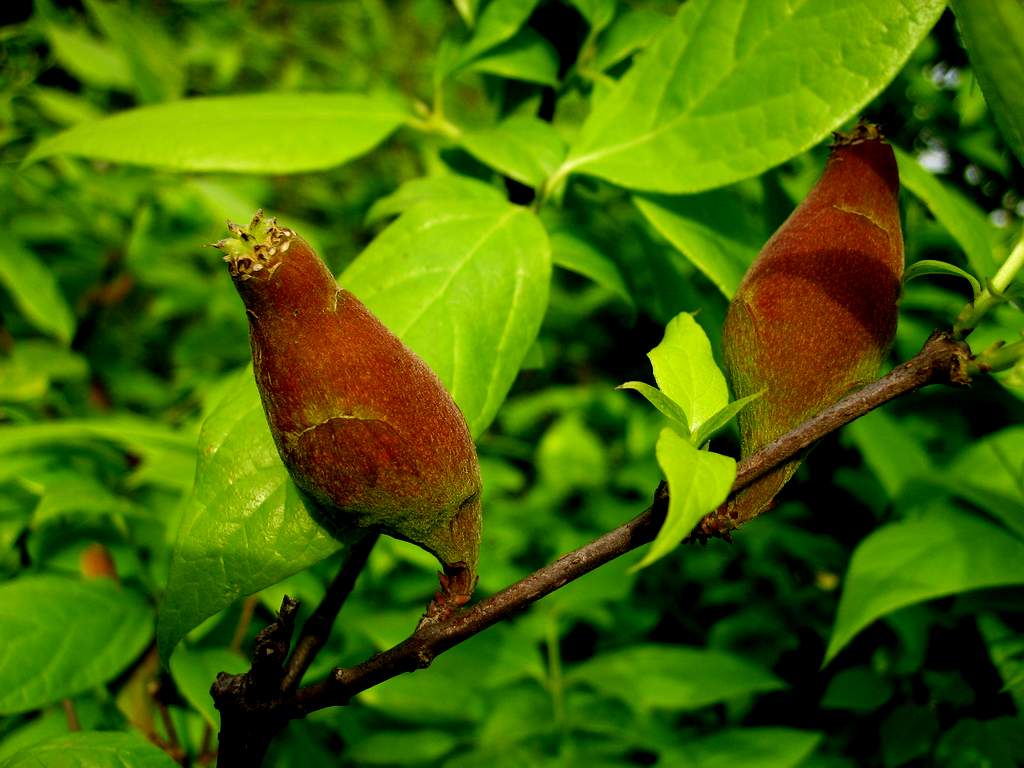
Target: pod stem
(993, 293)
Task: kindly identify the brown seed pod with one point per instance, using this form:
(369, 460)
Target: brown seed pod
(815, 314)
(365, 428)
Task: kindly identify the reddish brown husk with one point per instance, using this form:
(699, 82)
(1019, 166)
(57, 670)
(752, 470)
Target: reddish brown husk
(363, 425)
(816, 312)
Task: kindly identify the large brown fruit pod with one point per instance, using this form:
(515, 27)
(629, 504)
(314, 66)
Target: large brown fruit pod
(365, 428)
(815, 315)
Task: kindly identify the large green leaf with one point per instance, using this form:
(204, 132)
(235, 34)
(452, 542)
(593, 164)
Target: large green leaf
(92, 749)
(731, 89)
(962, 219)
(685, 370)
(262, 133)
(673, 677)
(903, 563)
(465, 285)
(63, 636)
(245, 525)
(35, 291)
(698, 481)
(993, 33)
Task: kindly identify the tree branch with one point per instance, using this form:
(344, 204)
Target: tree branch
(942, 360)
(317, 628)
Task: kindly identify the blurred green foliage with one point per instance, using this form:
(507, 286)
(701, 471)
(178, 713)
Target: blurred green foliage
(898, 546)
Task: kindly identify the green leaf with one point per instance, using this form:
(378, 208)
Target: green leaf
(933, 267)
(499, 22)
(245, 525)
(993, 33)
(675, 678)
(858, 689)
(262, 133)
(527, 57)
(962, 219)
(87, 59)
(890, 450)
(597, 13)
(722, 418)
(990, 474)
(698, 481)
(570, 455)
(194, 670)
(167, 457)
(633, 30)
(685, 370)
(151, 55)
(523, 148)
(715, 98)
(746, 747)
(573, 252)
(717, 231)
(64, 636)
(35, 292)
(447, 188)
(668, 407)
(465, 285)
(92, 749)
(920, 559)
(412, 747)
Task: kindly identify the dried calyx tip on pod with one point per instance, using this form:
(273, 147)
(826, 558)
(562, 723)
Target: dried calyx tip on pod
(365, 428)
(256, 247)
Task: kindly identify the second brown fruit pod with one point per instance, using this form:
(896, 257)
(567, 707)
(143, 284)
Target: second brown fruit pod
(815, 314)
(367, 431)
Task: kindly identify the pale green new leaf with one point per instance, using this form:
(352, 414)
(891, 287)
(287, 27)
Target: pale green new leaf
(91, 61)
(993, 33)
(35, 292)
(676, 678)
(668, 407)
(685, 370)
(903, 563)
(934, 267)
(962, 219)
(245, 526)
(92, 749)
(722, 418)
(500, 20)
(63, 636)
(465, 285)
(524, 148)
(262, 133)
(731, 89)
(698, 482)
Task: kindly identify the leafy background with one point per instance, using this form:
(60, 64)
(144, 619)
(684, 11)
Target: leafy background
(896, 553)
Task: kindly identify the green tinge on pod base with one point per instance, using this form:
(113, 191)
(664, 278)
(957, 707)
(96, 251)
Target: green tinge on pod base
(367, 431)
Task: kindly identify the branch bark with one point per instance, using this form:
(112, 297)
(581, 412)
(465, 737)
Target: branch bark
(942, 360)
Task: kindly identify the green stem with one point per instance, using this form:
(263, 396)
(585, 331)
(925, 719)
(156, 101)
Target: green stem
(997, 358)
(556, 686)
(993, 293)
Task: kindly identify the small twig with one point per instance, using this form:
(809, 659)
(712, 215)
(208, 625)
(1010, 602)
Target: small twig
(993, 293)
(317, 629)
(244, 620)
(69, 713)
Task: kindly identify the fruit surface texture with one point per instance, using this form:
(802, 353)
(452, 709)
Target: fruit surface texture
(367, 431)
(816, 313)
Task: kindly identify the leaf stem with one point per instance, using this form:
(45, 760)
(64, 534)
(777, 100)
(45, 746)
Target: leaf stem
(993, 293)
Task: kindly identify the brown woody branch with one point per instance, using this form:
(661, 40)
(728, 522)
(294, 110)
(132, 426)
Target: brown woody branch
(251, 711)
